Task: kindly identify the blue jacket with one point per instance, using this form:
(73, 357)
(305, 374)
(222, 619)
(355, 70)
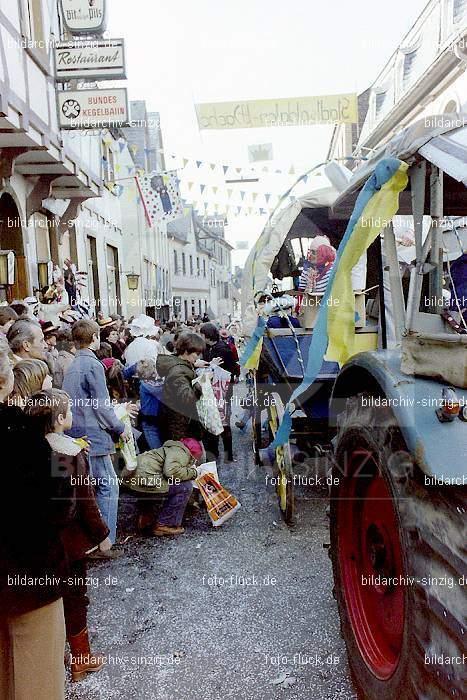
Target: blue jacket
(93, 414)
(150, 396)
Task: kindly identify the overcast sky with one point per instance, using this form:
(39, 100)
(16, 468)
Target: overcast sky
(180, 52)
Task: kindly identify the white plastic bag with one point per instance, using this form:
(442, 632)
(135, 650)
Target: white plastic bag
(208, 412)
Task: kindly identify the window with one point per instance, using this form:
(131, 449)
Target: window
(191, 265)
(459, 9)
(183, 264)
(175, 263)
(113, 280)
(193, 307)
(108, 163)
(33, 24)
(226, 290)
(93, 274)
(379, 103)
(409, 64)
(204, 268)
(147, 273)
(205, 305)
(199, 307)
(198, 266)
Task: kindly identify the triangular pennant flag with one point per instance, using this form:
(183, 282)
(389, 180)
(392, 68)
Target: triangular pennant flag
(225, 168)
(118, 167)
(121, 145)
(254, 195)
(265, 169)
(305, 178)
(229, 193)
(212, 165)
(250, 209)
(238, 170)
(202, 188)
(292, 170)
(206, 204)
(214, 189)
(190, 185)
(130, 168)
(267, 197)
(185, 162)
(242, 195)
(238, 210)
(261, 212)
(134, 149)
(198, 163)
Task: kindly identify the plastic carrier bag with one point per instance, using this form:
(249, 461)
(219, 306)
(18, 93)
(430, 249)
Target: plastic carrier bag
(208, 412)
(220, 503)
(128, 449)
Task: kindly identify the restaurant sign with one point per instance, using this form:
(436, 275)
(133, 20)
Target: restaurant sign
(93, 109)
(84, 16)
(100, 59)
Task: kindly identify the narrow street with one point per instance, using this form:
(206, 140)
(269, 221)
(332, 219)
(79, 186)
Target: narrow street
(221, 614)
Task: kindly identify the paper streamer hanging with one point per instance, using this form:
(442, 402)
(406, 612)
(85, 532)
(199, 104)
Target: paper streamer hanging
(252, 353)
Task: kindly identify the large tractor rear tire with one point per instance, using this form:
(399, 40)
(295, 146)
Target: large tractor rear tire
(404, 640)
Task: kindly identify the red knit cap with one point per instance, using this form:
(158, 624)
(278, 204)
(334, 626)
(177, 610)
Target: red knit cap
(194, 446)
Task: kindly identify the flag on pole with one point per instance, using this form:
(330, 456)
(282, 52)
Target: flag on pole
(161, 196)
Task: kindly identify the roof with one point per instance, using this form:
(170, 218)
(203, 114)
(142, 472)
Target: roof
(180, 228)
(214, 227)
(441, 139)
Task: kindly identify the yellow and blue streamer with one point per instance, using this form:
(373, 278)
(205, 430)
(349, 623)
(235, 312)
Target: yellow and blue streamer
(334, 331)
(251, 355)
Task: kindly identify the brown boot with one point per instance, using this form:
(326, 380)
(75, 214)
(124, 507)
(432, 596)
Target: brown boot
(81, 659)
(161, 530)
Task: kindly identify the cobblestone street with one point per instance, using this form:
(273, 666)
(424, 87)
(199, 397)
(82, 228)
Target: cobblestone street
(221, 614)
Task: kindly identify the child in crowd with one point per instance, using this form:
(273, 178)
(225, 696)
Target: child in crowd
(66, 354)
(7, 318)
(150, 395)
(168, 472)
(30, 376)
(85, 530)
(113, 373)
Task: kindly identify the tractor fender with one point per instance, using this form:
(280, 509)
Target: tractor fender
(437, 448)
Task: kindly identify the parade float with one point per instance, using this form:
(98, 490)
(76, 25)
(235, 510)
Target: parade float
(383, 387)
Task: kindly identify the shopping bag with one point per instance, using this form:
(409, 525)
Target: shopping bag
(220, 503)
(208, 412)
(207, 467)
(220, 384)
(128, 449)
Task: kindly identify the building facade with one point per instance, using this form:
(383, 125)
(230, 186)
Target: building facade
(44, 178)
(210, 231)
(191, 265)
(145, 137)
(146, 249)
(425, 76)
(70, 197)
